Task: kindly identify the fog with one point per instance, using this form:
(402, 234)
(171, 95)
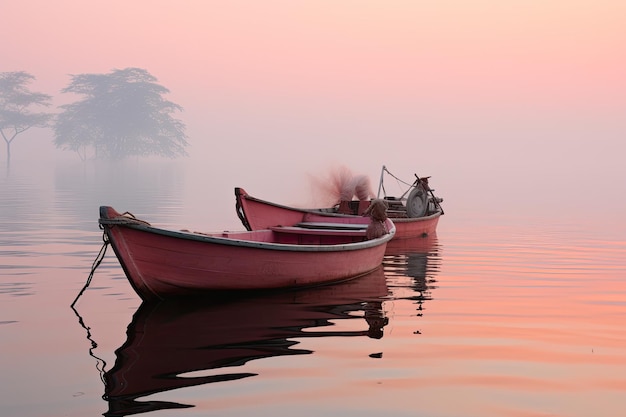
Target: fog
(513, 109)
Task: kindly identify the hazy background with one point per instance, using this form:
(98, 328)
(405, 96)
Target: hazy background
(512, 106)
(516, 108)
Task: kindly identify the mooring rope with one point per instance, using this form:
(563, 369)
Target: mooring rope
(100, 363)
(126, 218)
(94, 266)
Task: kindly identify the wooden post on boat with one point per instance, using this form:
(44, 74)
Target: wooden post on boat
(380, 183)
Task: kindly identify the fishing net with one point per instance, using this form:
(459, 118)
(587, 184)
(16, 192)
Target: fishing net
(378, 213)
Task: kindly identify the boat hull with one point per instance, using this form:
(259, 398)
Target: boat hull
(411, 228)
(160, 263)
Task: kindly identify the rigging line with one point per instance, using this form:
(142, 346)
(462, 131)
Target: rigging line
(398, 179)
(95, 265)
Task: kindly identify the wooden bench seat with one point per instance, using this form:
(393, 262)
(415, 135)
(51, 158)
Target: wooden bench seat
(332, 226)
(325, 231)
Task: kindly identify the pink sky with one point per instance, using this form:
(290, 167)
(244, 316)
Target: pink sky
(528, 95)
(518, 48)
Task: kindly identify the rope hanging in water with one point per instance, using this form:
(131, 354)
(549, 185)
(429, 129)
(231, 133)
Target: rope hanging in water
(126, 218)
(95, 265)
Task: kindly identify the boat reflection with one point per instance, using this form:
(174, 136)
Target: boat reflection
(169, 342)
(417, 260)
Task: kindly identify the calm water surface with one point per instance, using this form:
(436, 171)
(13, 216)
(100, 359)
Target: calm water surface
(513, 317)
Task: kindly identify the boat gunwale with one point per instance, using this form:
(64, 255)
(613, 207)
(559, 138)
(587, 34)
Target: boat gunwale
(298, 209)
(219, 240)
(242, 194)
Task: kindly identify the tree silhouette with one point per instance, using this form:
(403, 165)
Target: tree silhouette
(16, 101)
(122, 114)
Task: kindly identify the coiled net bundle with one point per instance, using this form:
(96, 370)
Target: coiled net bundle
(377, 211)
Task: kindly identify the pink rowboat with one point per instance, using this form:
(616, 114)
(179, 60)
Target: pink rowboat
(414, 216)
(162, 263)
